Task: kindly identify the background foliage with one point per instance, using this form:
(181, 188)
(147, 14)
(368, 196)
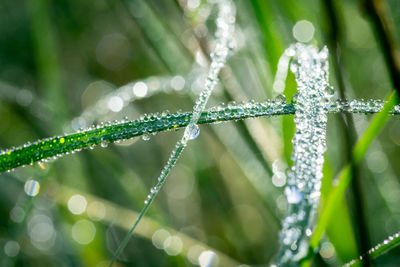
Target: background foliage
(57, 58)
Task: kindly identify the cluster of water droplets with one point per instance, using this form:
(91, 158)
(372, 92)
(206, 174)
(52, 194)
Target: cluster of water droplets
(108, 132)
(310, 67)
(392, 240)
(361, 106)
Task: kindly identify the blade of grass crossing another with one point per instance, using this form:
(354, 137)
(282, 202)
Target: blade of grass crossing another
(225, 31)
(335, 196)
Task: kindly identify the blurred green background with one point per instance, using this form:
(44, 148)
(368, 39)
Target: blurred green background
(223, 202)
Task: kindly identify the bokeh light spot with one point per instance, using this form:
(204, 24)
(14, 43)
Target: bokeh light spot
(77, 204)
(83, 232)
(303, 31)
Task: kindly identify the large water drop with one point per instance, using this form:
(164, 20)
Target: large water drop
(32, 187)
(280, 99)
(194, 132)
(293, 195)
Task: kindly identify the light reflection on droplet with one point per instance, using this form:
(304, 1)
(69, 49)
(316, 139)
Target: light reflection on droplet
(293, 195)
(145, 137)
(83, 232)
(308, 232)
(195, 132)
(77, 204)
(303, 31)
(32, 188)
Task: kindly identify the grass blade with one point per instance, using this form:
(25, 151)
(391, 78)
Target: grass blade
(224, 33)
(58, 146)
(337, 193)
(389, 243)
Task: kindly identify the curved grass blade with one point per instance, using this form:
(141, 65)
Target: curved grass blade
(58, 146)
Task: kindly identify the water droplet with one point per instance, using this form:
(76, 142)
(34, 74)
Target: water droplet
(308, 232)
(293, 195)
(146, 137)
(294, 97)
(32, 188)
(104, 144)
(194, 132)
(280, 99)
(208, 258)
(329, 90)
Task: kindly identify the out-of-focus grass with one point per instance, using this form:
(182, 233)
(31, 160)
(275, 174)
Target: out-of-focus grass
(220, 194)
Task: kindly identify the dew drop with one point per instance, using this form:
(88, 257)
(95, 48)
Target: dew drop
(294, 97)
(148, 198)
(329, 90)
(195, 132)
(32, 188)
(293, 195)
(280, 99)
(146, 137)
(104, 144)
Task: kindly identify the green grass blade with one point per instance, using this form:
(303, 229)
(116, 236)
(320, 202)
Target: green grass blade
(113, 132)
(47, 60)
(388, 244)
(164, 174)
(339, 231)
(224, 33)
(54, 147)
(337, 193)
